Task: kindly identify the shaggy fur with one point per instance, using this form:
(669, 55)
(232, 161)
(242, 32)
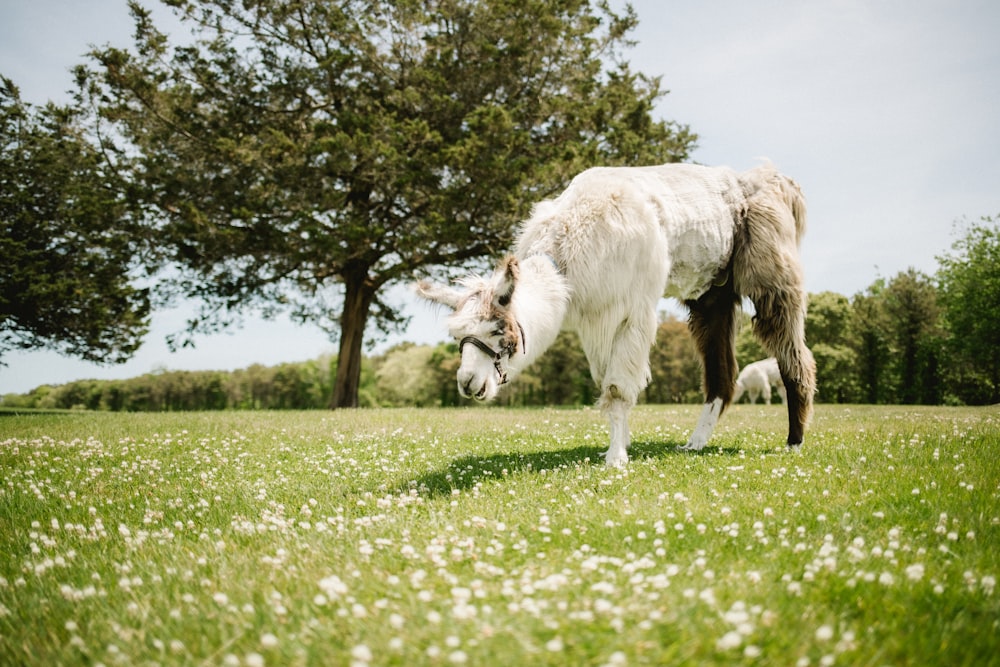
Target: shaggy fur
(756, 379)
(598, 258)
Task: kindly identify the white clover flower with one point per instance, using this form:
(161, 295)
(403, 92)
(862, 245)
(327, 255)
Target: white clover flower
(915, 572)
(268, 640)
(333, 587)
(824, 633)
(617, 659)
(729, 641)
(361, 653)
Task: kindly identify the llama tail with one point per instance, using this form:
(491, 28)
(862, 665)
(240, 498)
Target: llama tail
(780, 190)
(796, 203)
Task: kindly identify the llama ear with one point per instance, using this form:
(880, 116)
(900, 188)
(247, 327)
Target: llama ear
(509, 271)
(443, 294)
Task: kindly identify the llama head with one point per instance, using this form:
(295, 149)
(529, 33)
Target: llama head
(484, 324)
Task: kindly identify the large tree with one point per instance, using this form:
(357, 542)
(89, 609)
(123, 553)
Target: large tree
(829, 335)
(67, 239)
(306, 155)
(913, 317)
(869, 333)
(969, 288)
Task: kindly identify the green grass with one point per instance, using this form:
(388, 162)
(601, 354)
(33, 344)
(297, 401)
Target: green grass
(497, 537)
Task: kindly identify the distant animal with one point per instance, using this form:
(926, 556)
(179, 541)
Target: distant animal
(756, 380)
(597, 259)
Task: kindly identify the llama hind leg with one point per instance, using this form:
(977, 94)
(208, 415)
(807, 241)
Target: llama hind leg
(780, 326)
(712, 323)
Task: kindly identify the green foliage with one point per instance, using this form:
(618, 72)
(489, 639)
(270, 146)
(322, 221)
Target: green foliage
(485, 537)
(403, 377)
(914, 320)
(561, 376)
(828, 334)
(67, 240)
(675, 365)
(308, 152)
(969, 280)
(869, 330)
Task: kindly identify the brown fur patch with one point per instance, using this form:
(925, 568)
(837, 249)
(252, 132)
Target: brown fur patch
(766, 269)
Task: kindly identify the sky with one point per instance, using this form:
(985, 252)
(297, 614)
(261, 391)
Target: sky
(885, 111)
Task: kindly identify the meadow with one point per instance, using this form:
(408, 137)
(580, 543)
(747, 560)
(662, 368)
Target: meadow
(493, 536)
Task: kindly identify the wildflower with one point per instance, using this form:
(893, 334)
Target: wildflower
(361, 653)
(268, 640)
(617, 659)
(915, 572)
(333, 587)
(728, 641)
(824, 633)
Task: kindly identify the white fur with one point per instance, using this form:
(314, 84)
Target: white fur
(757, 379)
(706, 424)
(597, 259)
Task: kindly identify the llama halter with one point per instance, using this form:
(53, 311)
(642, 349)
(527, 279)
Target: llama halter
(496, 355)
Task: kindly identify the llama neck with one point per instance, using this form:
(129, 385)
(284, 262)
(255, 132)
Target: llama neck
(539, 304)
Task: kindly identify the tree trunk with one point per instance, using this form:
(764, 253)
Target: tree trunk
(358, 297)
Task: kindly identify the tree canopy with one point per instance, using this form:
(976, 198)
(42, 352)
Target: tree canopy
(969, 280)
(67, 240)
(306, 155)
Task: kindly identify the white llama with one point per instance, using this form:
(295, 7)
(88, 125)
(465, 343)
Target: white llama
(756, 379)
(597, 259)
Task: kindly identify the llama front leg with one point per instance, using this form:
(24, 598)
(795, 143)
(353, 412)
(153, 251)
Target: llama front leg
(621, 370)
(616, 408)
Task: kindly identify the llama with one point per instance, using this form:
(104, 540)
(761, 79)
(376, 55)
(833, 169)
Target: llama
(598, 258)
(757, 379)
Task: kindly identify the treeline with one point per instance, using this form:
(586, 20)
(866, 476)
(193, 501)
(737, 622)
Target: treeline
(896, 342)
(909, 339)
(287, 386)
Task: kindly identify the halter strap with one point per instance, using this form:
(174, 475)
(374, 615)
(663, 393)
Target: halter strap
(496, 355)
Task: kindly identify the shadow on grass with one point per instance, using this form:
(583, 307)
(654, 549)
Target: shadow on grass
(467, 471)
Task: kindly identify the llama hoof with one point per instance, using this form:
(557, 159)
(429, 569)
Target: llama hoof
(617, 460)
(693, 445)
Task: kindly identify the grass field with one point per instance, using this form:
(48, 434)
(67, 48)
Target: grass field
(497, 537)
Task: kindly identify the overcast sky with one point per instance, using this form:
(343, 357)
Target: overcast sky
(885, 111)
